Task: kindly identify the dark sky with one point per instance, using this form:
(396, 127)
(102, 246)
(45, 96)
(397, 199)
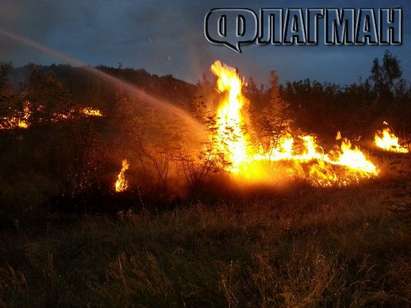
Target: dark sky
(166, 37)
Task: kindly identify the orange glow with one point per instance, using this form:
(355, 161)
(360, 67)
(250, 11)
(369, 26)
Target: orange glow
(388, 141)
(231, 138)
(248, 162)
(121, 184)
(91, 112)
(21, 120)
(62, 116)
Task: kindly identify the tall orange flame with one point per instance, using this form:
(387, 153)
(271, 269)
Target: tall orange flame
(248, 162)
(121, 184)
(231, 138)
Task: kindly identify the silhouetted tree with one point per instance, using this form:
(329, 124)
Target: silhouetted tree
(5, 69)
(45, 89)
(385, 75)
(270, 112)
(6, 91)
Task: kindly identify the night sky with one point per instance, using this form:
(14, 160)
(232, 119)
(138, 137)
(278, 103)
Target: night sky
(166, 37)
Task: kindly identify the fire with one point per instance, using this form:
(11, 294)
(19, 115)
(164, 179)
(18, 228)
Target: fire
(24, 120)
(354, 159)
(231, 138)
(304, 156)
(91, 112)
(73, 113)
(121, 184)
(62, 116)
(21, 120)
(388, 141)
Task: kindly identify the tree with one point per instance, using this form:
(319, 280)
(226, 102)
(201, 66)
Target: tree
(391, 69)
(5, 69)
(46, 89)
(273, 119)
(385, 75)
(8, 97)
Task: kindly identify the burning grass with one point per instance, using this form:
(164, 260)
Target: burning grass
(198, 232)
(386, 140)
(232, 149)
(22, 120)
(248, 161)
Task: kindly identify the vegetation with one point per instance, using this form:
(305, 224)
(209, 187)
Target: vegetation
(300, 249)
(69, 240)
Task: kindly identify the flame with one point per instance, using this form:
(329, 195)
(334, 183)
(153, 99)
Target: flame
(72, 113)
(247, 161)
(121, 184)
(91, 112)
(231, 138)
(388, 141)
(354, 159)
(24, 120)
(21, 120)
(62, 116)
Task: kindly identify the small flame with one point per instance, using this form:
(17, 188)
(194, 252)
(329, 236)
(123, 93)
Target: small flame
(388, 141)
(121, 184)
(22, 120)
(91, 112)
(63, 116)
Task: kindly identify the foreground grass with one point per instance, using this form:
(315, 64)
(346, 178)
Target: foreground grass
(339, 249)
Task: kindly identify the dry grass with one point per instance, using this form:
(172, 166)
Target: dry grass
(344, 248)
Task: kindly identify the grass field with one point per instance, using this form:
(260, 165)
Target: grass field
(181, 232)
(304, 248)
